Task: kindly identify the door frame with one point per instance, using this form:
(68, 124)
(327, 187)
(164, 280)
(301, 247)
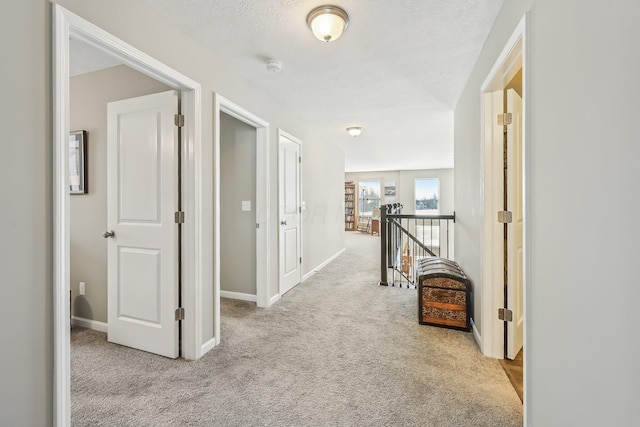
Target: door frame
(262, 208)
(287, 135)
(513, 57)
(65, 24)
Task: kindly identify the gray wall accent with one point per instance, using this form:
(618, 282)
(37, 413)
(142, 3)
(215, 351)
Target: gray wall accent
(89, 95)
(582, 61)
(137, 23)
(26, 216)
(583, 167)
(238, 227)
(26, 275)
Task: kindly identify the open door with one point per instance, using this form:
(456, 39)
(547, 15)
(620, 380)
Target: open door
(515, 266)
(289, 215)
(142, 188)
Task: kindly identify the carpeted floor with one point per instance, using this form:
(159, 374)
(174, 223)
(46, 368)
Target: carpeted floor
(337, 350)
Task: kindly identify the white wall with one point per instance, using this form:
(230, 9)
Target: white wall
(405, 192)
(580, 349)
(323, 195)
(238, 227)
(88, 98)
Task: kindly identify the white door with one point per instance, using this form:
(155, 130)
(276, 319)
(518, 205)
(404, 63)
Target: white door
(289, 197)
(142, 188)
(515, 228)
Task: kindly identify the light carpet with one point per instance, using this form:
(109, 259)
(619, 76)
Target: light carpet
(337, 350)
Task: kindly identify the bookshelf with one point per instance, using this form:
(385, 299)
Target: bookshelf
(349, 206)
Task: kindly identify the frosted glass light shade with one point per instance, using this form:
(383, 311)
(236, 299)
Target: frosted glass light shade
(327, 22)
(354, 130)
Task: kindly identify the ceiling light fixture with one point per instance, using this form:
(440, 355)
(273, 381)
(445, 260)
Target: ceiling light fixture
(354, 130)
(274, 65)
(327, 22)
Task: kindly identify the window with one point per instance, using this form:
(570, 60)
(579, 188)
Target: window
(427, 196)
(368, 197)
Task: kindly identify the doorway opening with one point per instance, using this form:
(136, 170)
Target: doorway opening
(237, 209)
(262, 207)
(91, 89)
(506, 221)
(69, 25)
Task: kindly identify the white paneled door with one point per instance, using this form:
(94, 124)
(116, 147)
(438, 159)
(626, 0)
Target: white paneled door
(290, 213)
(515, 267)
(142, 188)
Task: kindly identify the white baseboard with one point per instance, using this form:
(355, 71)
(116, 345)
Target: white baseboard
(274, 299)
(91, 324)
(208, 346)
(238, 295)
(476, 334)
(324, 264)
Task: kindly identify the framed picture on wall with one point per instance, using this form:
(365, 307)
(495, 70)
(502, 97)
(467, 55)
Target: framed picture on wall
(389, 192)
(78, 162)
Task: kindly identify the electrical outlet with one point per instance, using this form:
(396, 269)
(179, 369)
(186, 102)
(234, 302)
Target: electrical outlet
(82, 289)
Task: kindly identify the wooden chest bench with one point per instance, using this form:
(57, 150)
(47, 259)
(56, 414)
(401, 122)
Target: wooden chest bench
(444, 294)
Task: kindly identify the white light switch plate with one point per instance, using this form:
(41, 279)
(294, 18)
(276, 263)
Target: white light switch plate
(246, 205)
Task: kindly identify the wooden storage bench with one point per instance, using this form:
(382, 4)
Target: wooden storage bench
(444, 294)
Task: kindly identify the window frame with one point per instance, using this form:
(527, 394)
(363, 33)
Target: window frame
(415, 197)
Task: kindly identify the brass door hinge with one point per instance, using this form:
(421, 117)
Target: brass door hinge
(505, 217)
(505, 314)
(504, 119)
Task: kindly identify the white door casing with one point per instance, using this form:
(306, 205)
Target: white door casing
(263, 208)
(491, 334)
(142, 198)
(198, 215)
(515, 247)
(290, 204)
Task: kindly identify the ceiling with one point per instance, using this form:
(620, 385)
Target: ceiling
(397, 70)
(85, 58)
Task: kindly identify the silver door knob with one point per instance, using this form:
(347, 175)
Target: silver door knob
(108, 234)
(283, 222)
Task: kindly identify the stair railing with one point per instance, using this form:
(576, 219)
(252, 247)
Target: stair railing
(407, 239)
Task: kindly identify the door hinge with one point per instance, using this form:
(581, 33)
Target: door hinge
(300, 209)
(179, 217)
(504, 119)
(300, 260)
(257, 225)
(299, 159)
(180, 313)
(505, 314)
(505, 217)
(178, 119)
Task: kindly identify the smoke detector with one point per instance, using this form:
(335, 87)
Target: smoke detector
(274, 65)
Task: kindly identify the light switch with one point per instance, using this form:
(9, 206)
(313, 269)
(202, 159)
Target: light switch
(246, 205)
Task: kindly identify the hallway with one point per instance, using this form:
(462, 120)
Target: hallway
(336, 350)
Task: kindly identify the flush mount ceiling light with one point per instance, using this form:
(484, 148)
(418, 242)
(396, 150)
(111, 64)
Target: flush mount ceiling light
(274, 65)
(354, 130)
(327, 22)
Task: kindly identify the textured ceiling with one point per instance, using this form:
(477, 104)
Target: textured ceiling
(398, 69)
(85, 58)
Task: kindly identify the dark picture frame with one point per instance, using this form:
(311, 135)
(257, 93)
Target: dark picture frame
(78, 183)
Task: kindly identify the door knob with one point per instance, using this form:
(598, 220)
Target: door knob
(283, 222)
(108, 234)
